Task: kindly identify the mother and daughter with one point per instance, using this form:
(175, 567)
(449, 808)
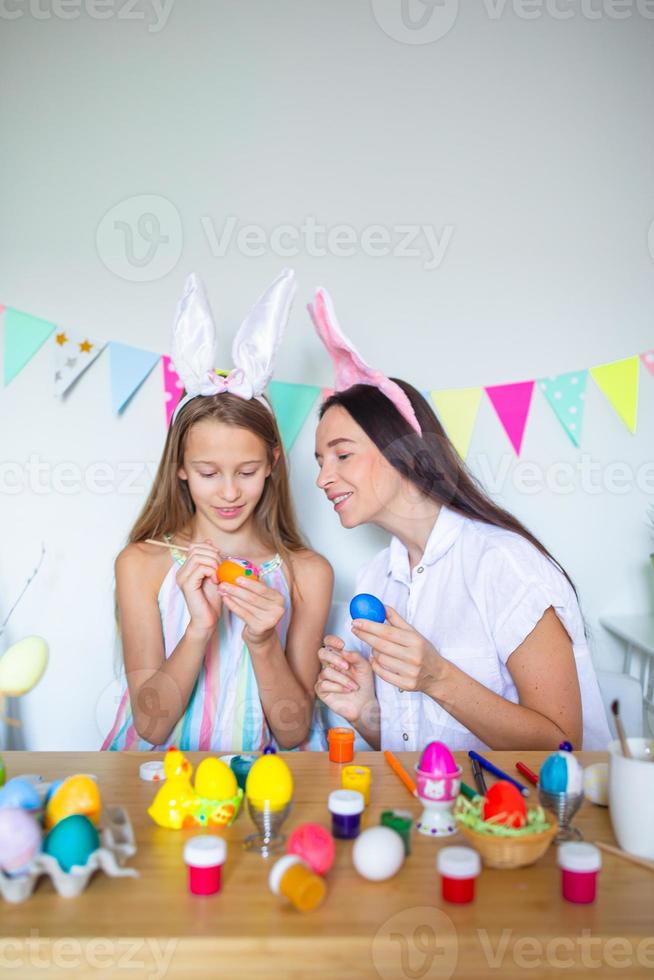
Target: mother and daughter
(483, 644)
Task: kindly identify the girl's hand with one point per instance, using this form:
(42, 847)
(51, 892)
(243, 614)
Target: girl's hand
(346, 682)
(260, 607)
(401, 655)
(197, 580)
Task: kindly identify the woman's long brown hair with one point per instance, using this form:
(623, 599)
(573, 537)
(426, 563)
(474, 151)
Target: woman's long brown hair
(169, 507)
(429, 461)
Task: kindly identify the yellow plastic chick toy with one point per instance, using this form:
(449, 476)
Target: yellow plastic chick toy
(213, 802)
(175, 800)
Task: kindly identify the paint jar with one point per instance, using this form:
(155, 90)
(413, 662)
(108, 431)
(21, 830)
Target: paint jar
(580, 864)
(341, 744)
(401, 822)
(358, 778)
(293, 879)
(346, 807)
(459, 868)
(205, 857)
(240, 766)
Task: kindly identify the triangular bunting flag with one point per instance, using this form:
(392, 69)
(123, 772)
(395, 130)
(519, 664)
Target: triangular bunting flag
(129, 367)
(24, 335)
(566, 394)
(511, 403)
(648, 360)
(457, 410)
(619, 382)
(291, 403)
(73, 353)
(173, 388)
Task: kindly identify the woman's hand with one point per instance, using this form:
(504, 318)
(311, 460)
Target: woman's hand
(346, 683)
(260, 607)
(401, 655)
(197, 580)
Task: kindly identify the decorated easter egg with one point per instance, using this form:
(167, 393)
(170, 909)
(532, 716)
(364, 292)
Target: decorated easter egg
(71, 841)
(232, 568)
(77, 794)
(378, 853)
(315, 845)
(19, 792)
(505, 804)
(269, 782)
(561, 773)
(214, 780)
(20, 840)
(365, 606)
(22, 666)
(437, 758)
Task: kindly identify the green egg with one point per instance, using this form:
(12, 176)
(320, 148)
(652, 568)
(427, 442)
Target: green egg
(71, 841)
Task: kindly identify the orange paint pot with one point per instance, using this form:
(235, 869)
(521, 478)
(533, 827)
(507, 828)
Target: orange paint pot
(341, 744)
(291, 878)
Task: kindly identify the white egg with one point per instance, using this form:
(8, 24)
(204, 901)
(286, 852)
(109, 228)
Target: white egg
(596, 783)
(378, 853)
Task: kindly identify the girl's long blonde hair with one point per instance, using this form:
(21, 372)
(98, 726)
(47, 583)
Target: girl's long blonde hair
(169, 506)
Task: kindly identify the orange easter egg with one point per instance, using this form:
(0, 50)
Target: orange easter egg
(505, 804)
(76, 795)
(232, 568)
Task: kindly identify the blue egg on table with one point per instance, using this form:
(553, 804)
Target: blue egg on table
(72, 841)
(366, 606)
(19, 792)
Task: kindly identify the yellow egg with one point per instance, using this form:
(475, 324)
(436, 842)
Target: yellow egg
(22, 666)
(76, 795)
(269, 782)
(214, 780)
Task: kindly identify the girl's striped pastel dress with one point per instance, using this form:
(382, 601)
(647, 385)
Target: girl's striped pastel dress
(224, 713)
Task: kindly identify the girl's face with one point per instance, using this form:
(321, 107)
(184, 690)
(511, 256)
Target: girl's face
(226, 468)
(354, 475)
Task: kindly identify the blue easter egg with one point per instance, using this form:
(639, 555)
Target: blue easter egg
(561, 773)
(21, 793)
(365, 606)
(72, 841)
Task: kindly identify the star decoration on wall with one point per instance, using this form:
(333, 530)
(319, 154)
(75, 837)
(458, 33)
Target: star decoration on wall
(85, 347)
(71, 362)
(61, 339)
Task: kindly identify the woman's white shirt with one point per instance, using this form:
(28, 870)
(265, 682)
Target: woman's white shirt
(476, 594)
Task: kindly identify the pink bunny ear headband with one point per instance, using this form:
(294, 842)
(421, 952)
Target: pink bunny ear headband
(349, 367)
(254, 349)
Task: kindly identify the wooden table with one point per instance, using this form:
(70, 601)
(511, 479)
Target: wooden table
(151, 926)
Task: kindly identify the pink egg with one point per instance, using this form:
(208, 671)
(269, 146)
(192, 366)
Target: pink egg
(20, 839)
(437, 758)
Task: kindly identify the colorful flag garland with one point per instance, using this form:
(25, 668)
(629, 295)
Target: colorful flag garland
(457, 408)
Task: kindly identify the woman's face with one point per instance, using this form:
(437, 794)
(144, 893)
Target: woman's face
(226, 469)
(354, 475)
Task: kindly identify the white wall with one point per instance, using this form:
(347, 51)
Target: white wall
(532, 139)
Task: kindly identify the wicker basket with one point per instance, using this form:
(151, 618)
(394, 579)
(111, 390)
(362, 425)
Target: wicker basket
(509, 852)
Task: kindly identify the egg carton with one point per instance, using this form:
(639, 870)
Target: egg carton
(117, 845)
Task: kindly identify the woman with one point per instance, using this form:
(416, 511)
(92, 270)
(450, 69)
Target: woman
(484, 643)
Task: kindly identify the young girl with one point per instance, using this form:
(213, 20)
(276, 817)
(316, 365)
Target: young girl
(220, 667)
(483, 644)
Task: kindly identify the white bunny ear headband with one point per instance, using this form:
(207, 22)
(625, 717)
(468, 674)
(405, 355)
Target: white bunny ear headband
(349, 367)
(254, 349)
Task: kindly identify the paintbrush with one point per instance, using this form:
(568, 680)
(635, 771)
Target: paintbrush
(619, 727)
